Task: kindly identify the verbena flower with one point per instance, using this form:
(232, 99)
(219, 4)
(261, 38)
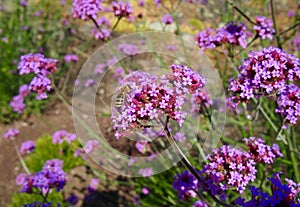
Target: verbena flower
(11, 133)
(103, 21)
(86, 9)
(51, 176)
(288, 103)
(142, 146)
(146, 172)
(17, 104)
(186, 185)
(228, 167)
(122, 9)
(61, 136)
(263, 73)
(27, 147)
(100, 68)
(20, 179)
(233, 33)
(71, 58)
(89, 83)
(93, 184)
(128, 49)
(167, 19)
(72, 200)
(24, 90)
(145, 190)
(282, 194)
(90, 146)
(40, 84)
(151, 97)
(264, 28)
(200, 204)
(260, 152)
(101, 34)
(37, 63)
(207, 39)
(38, 204)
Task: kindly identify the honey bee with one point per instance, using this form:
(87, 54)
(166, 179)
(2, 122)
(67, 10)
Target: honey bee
(121, 96)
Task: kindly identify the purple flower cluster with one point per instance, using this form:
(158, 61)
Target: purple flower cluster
(86, 9)
(263, 73)
(200, 204)
(168, 19)
(229, 167)
(260, 152)
(288, 103)
(100, 34)
(61, 136)
(282, 194)
(39, 204)
(11, 133)
(151, 97)
(232, 33)
(71, 58)
(146, 172)
(226, 168)
(27, 147)
(41, 67)
(128, 49)
(264, 28)
(122, 9)
(186, 185)
(50, 177)
(90, 146)
(17, 103)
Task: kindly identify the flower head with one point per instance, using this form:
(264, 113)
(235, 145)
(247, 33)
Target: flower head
(27, 147)
(11, 133)
(186, 185)
(122, 9)
(167, 19)
(86, 9)
(263, 73)
(264, 27)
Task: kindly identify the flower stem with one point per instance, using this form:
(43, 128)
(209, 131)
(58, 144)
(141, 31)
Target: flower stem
(241, 12)
(275, 25)
(21, 158)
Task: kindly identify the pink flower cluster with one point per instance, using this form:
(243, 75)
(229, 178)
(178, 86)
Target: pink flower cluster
(86, 9)
(17, 103)
(41, 67)
(151, 97)
(61, 136)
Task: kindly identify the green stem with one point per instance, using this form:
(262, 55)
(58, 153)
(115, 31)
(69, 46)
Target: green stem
(293, 157)
(275, 25)
(21, 158)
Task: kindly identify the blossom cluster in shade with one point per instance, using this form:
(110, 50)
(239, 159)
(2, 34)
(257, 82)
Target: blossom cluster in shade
(61, 136)
(86, 9)
(17, 103)
(232, 33)
(282, 194)
(39, 204)
(265, 73)
(227, 168)
(128, 49)
(186, 185)
(41, 67)
(151, 97)
(50, 177)
(200, 204)
(264, 28)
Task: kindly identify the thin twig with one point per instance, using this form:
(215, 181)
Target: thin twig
(240, 11)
